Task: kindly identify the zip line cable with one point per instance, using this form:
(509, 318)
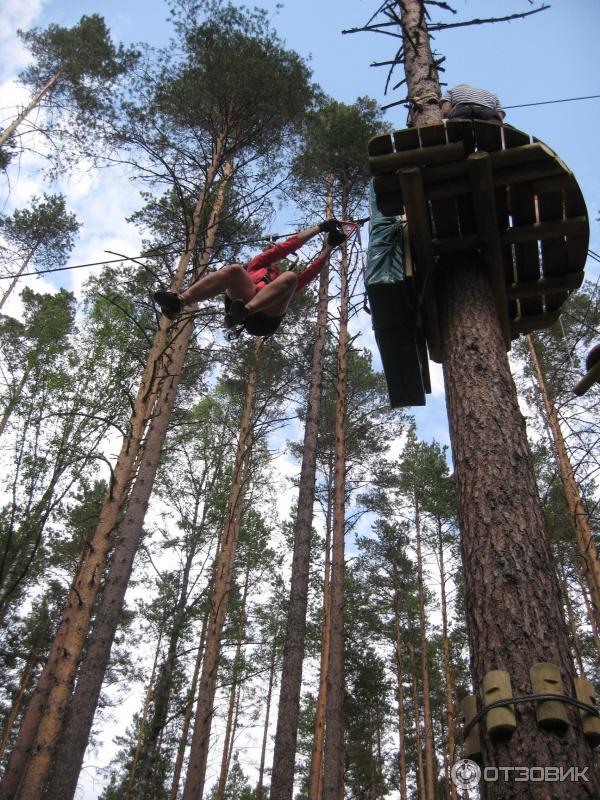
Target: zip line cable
(157, 252)
(548, 102)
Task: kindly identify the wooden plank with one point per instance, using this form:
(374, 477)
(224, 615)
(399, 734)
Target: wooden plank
(407, 139)
(525, 254)
(554, 251)
(461, 130)
(562, 180)
(534, 322)
(513, 137)
(526, 233)
(521, 155)
(482, 188)
(539, 231)
(488, 136)
(453, 187)
(443, 212)
(546, 286)
(417, 214)
(381, 144)
(577, 245)
(421, 157)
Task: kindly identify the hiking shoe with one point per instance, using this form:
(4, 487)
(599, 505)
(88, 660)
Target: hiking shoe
(171, 304)
(238, 312)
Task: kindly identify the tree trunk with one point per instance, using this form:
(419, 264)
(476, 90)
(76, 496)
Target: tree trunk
(260, 793)
(233, 694)
(188, 715)
(589, 612)
(10, 406)
(84, 701)
(451, 756)
(162, 694)
(421, 785)
(8, 132)
(282, 778)
(315, 780)
(427, 723)
(142, 725)
(584, 540)
(334, 741)
(18, 700)
(194, 785)
(571, 620)
(512, 598)
(421, 71)
(401, 710)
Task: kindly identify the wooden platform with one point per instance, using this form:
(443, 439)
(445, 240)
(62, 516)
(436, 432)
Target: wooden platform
(476, 186)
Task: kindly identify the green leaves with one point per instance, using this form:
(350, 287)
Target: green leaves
(45, 231)
(84, 55)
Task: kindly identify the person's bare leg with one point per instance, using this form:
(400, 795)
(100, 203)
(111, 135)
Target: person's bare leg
(275, 297)
(232, 279)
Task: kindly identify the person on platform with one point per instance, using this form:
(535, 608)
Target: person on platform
(467, 102)
(257, 294)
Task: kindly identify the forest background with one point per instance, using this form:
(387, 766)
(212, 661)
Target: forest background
(547, 58)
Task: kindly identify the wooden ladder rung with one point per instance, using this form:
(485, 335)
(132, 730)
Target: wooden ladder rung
(534, 322)
(554, 285)
(437, 154)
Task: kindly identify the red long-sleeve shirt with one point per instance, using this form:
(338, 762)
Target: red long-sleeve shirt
(263, 265)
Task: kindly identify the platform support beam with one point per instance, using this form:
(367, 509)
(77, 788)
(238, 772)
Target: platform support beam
(479, 166)
(417, 213)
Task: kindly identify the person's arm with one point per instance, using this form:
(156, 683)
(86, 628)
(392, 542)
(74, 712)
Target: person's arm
(279, 251)
(314, 268)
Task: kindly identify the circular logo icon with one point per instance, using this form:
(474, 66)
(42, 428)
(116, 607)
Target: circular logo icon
(465, 774)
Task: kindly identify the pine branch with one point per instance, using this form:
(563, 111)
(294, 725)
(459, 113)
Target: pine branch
(445, 6)
(440, 26)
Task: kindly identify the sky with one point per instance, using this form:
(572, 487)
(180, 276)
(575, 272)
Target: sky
(553, 55)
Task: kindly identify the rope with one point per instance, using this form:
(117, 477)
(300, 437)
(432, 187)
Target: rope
(548, 102)
(528, 698)
(165, 251)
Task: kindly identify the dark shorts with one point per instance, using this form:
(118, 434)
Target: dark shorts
(474, 111)
(261, 324)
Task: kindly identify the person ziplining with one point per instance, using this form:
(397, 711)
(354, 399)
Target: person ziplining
(258, 294)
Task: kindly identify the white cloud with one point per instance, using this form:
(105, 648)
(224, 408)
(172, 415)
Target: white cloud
(15, 15)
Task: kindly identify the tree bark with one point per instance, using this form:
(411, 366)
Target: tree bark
(427, 723)
(584, 539)
(315, 780)
(142, 725)
(194, 785)
(451, 756)
(233, 691)
(83, 704)
(333, 781)
(571, 620)
(188, 715)
(401, 709)
(420, 68)
(282, 778)
(8, 132)
(512, 596)
(421, 785)
(260, 793)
